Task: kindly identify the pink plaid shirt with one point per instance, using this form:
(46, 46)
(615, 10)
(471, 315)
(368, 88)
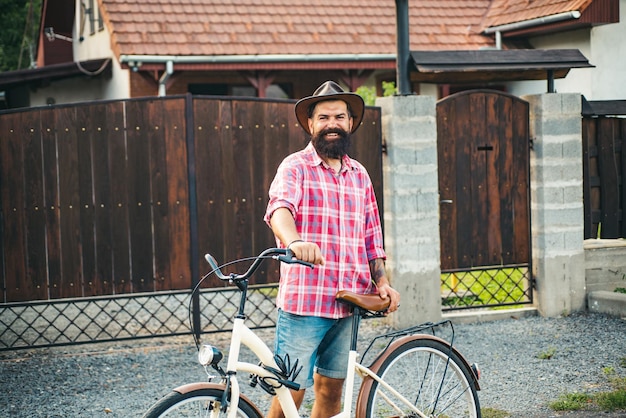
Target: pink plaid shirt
(339, 213)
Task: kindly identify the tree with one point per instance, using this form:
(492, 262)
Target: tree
(18, 37)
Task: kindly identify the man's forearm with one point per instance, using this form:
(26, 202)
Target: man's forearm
(284, 226)
(378, 272)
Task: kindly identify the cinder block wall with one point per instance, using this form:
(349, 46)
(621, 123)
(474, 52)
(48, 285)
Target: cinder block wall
(411, 197)
(605, 264)
(557, 203)
(412, 204)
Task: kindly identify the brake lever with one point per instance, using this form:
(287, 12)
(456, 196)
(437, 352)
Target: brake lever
(290, 259)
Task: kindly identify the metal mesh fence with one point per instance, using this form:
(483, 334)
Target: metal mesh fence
(486, 287)
(124, 317)
(145, 315)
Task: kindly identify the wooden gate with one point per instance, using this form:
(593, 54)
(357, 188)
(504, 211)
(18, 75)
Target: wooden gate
(107, 209)
(483, 148)
(604, 168)
(119, 197)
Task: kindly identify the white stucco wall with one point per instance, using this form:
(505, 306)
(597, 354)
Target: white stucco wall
(608, 47)
(605, 48)
(84, 89)
(578, 80)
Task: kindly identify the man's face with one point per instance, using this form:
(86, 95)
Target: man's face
(330, 127)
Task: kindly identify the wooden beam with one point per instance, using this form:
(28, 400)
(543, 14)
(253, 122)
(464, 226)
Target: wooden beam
(261, 80)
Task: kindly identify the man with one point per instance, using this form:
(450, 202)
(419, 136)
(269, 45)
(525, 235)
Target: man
(322, 206)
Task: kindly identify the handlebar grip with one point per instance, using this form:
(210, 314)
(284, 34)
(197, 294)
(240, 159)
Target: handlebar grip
(215, 267)
(209, 258)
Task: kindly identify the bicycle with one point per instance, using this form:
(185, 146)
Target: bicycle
(417, 374)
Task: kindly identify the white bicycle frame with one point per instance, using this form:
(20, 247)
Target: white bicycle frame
(241, 334)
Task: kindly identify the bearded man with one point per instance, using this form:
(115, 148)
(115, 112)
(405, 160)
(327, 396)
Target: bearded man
(323, 208)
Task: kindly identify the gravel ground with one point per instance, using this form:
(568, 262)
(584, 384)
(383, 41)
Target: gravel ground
(124, 379)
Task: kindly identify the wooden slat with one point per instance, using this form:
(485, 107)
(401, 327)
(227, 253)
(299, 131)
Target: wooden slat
(159, 188)
(478, 182)
(497, 108)
(609, 177)
(227, 182)
(69, 284)
(139, 128)
(366, 148)
(260, 238)
(51, 195)
(292, 138)
(622, 175)
(103, 120)
(86, 208)
(240, 165)
(12, 129)
(520, 179)
(178, 198)
(120, 179)
(587, 125)
(209, 186)
(37, 281)
(446, 154)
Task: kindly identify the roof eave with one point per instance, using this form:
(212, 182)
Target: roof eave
(48, 73)
(258, 62)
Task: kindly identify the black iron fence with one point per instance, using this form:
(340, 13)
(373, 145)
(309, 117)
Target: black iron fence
(486, 287)
(132, 316)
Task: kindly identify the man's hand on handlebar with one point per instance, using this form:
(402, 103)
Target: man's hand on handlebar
(307, 251)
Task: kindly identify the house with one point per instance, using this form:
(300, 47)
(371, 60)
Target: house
(115, 49)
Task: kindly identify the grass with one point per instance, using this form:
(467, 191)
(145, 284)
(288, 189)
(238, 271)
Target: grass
(548, 354)
(613, 400)
(571, 402)
(485, 287)
(494, 413)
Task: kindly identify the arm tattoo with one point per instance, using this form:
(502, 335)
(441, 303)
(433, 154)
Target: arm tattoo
(377, 269)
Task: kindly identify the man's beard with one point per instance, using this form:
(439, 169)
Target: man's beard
(334, 149)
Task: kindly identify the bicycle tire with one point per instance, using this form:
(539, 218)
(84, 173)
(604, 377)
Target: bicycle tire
(198, 403)
(427, 372)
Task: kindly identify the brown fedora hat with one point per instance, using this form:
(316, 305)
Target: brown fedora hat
(330, 90)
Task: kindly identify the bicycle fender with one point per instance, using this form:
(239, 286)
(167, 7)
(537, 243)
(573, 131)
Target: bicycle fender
(375, 366)
(190, 387)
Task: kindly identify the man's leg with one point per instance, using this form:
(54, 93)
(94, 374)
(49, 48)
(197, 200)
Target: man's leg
(275, 409)
(328, 392)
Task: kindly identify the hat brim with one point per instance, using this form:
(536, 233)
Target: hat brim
(352, 99)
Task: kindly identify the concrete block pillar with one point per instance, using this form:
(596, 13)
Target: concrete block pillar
(557, 203)
(411, 206)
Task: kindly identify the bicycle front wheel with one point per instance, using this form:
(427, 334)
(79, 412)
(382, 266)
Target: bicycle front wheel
(427, 374)
(198, 403)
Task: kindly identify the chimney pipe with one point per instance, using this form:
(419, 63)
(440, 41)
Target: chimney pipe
(403, 83)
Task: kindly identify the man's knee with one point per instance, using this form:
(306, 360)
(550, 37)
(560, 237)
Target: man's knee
(328, 387)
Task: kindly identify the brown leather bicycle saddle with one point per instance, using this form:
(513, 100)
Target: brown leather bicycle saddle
(371, 302)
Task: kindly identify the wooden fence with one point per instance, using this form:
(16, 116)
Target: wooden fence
(119, 197)
(604, 169)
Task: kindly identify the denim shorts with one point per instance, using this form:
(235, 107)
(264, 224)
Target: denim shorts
(320, 345)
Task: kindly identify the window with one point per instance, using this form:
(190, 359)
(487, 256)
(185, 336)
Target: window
(90, 14)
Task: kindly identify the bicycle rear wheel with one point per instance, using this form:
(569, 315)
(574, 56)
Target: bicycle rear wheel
(198, 403)
(428, 374)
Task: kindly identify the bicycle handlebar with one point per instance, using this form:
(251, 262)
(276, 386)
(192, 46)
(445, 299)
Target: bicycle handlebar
(281, 254)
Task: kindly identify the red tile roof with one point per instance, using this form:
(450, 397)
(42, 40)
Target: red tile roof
(509, 11)
(268, 27)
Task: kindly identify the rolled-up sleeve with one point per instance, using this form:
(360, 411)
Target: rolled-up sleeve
(285, 191)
